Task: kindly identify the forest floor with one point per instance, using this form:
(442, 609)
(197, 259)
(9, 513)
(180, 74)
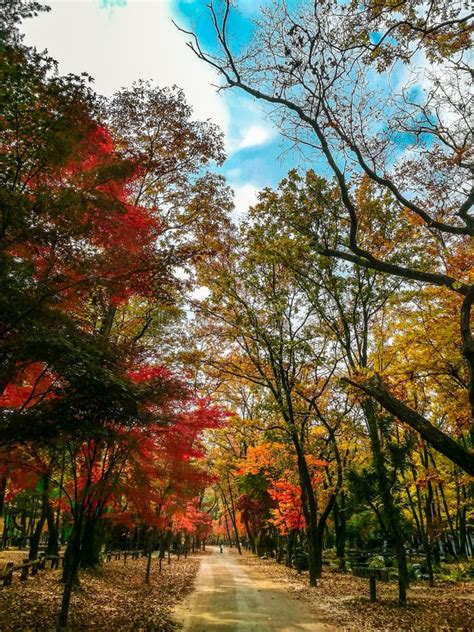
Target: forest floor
(245, 593)
(113, 598)
(342, 600)
(232, 593)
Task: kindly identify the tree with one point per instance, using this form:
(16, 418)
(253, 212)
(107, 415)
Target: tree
(273, 341)
(347, 303)
(315, 68)
(97, 216)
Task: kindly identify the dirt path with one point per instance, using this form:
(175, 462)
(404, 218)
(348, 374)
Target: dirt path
(229, 597)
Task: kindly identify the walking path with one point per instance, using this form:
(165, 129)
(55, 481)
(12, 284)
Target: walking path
(231, 598)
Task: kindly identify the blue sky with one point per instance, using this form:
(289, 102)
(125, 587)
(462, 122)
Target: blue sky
(119, 41)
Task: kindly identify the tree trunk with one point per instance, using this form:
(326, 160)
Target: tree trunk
(6, 530)
(391, 511)
(53, 535)
(91, 543)
(163, 540)
(250, 537)
(150, 540)
(3, 489)
(310, 511)
(339, 513)
(231, 512)
(453, 450)
(291, 545)
(233, 517)
(463, 522)
(23, 527)
(421, 529)
(35, 538)
(70, 578)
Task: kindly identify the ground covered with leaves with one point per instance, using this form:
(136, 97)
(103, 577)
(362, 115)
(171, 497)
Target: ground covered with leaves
(342, 600)
(114, 597)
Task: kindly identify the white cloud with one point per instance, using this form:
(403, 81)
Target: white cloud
(125, 42)
(250, 126)
(254, 136)
(245, 196)
(234, 174)
(120, 41)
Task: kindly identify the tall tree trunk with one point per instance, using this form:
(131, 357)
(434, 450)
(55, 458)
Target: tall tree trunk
(291, 545)
(463, 521)
(250, 537)
(421, 527)
(150, 541)
(228, 531)
(22, 529)
(53, 535)
(233, 516)
(3, 489)
(35, 538)
(91, 543)
(391, 511)
(61, 483)
(233, 520)
(310, 511)
(70, 572)
(339, 513)
(6, 530)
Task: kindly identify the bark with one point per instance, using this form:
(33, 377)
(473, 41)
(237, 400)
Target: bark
(468, 348)
(339, 513)
(150, 540)
(91, 543)
(291, 545)
(391, 511)
(421, 528)
(457, 453)
(164, 544)
(447, 512)
(310, 511)
(234, 517)
(231, 513)
(70, 574)
(248, 531)
(463, 522)
(227, 530)
(71, 555)
(35, 538)
(233, 521)
(3, 489)
(6, 530)
(53, 543)
(22, 528)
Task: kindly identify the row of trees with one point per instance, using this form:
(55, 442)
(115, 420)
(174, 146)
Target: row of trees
(106, 205)
(337, 326)
(338, 321)
(300, 333)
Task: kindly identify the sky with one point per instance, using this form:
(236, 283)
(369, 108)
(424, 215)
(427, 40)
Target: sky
(120, 41)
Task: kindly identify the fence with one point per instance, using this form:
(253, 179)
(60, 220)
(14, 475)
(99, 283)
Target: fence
(6, 578)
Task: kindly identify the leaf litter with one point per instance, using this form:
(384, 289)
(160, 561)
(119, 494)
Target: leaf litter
(113, 597)
(342, 600)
